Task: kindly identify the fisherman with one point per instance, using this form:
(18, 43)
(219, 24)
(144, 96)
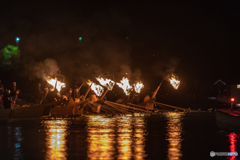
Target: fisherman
(14, 87)
(44, 100)
(76, 94)
(1, 101)
(69, 94)
(40, 92)
(14, 98)
(92, 96)
(7, 99)
(1, 87)
(135, 98)
(14, 92)
(50, 96)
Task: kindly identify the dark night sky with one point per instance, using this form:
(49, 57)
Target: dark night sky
(199, 40)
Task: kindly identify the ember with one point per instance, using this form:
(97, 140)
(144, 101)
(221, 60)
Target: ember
(174, 82)
(96, 88)
(138, 87)
(106, 82)
(53, 82)
(127, 88)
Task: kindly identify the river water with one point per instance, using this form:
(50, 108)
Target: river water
(169, 135)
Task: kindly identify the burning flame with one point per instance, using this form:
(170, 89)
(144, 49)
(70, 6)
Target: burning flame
(127, 88)
(96, 88)
(138, 87)
(174, 82)
(59, 85)
(106, 82)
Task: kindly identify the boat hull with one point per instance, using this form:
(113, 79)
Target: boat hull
(34, 111)
(30, 112)
(228, 120)
(4, 113)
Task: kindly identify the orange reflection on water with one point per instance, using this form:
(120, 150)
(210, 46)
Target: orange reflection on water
(124, 137)
(174, 130)
(232, 140)
(101, 138)
(56, 139)
(121, 137)
(139, 138)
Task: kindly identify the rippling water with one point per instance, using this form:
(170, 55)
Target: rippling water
(168, 135)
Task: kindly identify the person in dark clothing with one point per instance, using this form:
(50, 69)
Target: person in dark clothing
(14, 86)
(50, 96)
(69, 94)
(135, 98)
(1, 101)
(14, 92)
(40, 92)
(76, 93)
(1, 87)
(7, 100)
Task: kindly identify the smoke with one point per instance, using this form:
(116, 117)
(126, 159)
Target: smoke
(126, 71)
(137, 74)
(48, 67)
(165, 67)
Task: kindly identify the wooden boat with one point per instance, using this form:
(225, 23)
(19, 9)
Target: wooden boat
(28, 111)
(72, 108)
(228, 119)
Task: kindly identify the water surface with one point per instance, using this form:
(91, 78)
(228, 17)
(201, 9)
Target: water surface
(167, 135)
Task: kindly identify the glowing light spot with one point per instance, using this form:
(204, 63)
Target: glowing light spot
(17, 39)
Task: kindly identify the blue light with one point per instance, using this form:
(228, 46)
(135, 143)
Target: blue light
(80, 38)
(17, 39)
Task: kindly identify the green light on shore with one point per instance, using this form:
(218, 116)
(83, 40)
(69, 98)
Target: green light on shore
(9, 55)
(80, 38)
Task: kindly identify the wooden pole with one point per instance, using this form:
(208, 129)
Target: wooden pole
(104, 94)
(87, 92)
(155, 93)
(80, 87)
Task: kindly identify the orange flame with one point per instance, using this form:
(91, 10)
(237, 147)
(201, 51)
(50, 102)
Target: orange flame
(138, 87)
(127, 88)
(96, 88)
(174, 82)
(59, 85)
(106, 82)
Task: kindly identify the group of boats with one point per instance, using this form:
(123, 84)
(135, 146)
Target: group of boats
(66, 108)
(227, 119)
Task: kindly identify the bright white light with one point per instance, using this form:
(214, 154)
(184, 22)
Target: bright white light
(238, 86)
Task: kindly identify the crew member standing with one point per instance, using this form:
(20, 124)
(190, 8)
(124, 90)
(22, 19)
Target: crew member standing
(76, 94)
(14, 92)
(1, 87)
(40, 92)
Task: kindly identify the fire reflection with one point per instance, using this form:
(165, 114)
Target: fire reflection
(101, 138)
(56, 139)
(120, 137)
(232, 140)
(174, 130)
(124, 137)
(139, 138)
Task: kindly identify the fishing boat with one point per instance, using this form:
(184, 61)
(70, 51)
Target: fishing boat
(228, 119)
(72, 108)
(28, 111)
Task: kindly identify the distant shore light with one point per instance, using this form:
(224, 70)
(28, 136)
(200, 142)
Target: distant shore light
(17, 39)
